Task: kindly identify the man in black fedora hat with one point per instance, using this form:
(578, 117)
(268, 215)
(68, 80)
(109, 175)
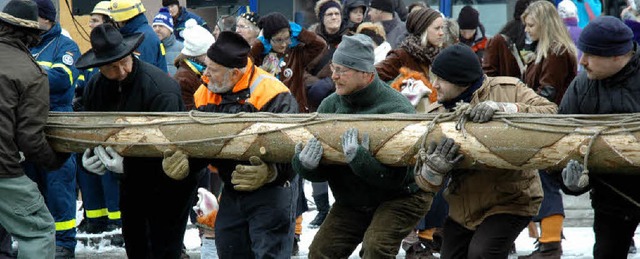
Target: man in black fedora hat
(154, 206)
(24, 102)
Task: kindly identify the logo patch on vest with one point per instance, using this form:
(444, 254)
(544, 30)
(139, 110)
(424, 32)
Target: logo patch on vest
(67, 60)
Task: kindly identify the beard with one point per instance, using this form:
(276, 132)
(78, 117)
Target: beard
(221, 87)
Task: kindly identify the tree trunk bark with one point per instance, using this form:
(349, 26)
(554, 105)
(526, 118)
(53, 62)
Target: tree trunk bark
(394, 139)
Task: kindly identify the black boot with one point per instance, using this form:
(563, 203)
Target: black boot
(551, 250)
(322, 203)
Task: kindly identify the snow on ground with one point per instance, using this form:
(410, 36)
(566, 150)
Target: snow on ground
(577, 245)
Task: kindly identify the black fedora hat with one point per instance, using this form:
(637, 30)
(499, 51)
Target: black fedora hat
(108, 46)
(20, 13)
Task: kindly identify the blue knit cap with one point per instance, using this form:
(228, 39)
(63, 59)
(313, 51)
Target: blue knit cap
(46, 10)
(163, 18)
(606, 36)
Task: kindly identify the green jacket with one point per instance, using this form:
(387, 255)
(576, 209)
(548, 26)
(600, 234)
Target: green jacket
(364, 181)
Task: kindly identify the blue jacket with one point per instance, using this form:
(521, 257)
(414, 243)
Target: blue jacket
(150, 50)
(56, 54)
(178, 23)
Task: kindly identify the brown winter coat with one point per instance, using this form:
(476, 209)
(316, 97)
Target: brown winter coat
(189, 81)
(297, 58)
(389, 68)
(474, 195)
(498, 59)
(399, 62)
(555, 70)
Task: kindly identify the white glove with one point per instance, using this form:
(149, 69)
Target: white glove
(414, 90)
(110, 158)
(93, 163)
(22, 158)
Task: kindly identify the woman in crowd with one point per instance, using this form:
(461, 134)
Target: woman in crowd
(285, 50)
(412, 60)
(502, 55)
(549, 73)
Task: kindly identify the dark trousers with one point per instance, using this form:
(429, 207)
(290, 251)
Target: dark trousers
(258, 224)
(380, 229)
(492, 238)
(552, 200)
(437, 214)
(100, 195)
(613, 235)
(155, 209)
(5, 245)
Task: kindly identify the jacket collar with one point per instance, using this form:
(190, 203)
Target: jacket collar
(51, 34)
(465, 96)
(389, 25)
(169, 41)
(182, 16)
(627, 71)
(133, 24)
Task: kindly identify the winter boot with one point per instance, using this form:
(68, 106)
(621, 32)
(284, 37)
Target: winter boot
(95, 226)
(64, 253)
(296, 248)
(632, 247)
(551, 250)
(322, 203)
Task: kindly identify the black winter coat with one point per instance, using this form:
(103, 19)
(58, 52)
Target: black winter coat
(146, 89)
(616, 94)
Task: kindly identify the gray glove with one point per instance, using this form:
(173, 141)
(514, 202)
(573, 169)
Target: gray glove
(484, 111)
(441, 159)
(93, 163)
(350, 143)
(311, 154)
(573, 176)
(110, 158)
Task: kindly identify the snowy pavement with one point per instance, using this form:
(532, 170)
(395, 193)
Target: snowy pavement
(577, 245)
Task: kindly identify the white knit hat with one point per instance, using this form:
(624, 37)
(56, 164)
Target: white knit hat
(197, 39)
(567, 9)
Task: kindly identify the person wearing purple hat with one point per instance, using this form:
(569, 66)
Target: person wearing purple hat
(56, 54)
(609, 84)
(24, 98)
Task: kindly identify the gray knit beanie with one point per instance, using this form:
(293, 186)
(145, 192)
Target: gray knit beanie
(355, 52)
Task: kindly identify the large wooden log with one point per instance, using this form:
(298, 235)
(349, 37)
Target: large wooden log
(522, 141)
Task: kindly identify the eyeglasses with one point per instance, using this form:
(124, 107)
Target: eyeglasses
(243, 27)
(339, 71)
(275, 41)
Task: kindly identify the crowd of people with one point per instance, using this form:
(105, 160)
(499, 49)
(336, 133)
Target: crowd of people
(362, 57)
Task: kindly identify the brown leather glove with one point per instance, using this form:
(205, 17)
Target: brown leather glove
(251, 177)
(440, 160)
(175, 164)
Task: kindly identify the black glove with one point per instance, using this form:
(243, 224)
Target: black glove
(441, 159)
(548, 92)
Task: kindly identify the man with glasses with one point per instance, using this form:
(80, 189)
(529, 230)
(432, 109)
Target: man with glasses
(376, 205)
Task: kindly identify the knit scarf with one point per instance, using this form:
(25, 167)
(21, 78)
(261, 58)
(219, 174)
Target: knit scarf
(424, 55)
